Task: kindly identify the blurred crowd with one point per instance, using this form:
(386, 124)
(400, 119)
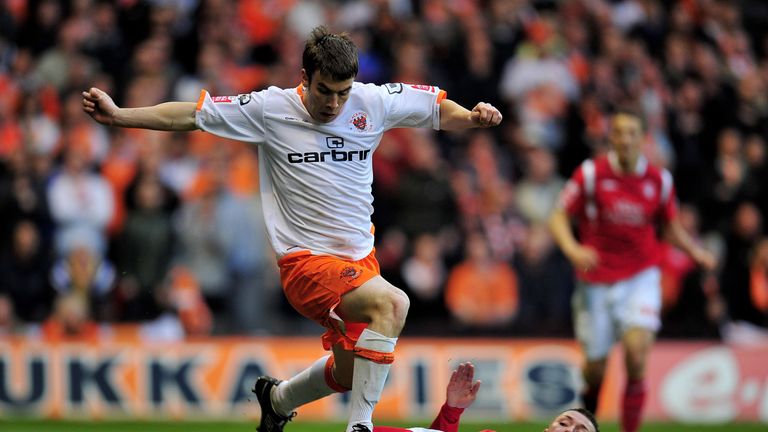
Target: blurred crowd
(102, 226)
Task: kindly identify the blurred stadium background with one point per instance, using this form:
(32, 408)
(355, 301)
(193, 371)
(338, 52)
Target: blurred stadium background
(136, 282)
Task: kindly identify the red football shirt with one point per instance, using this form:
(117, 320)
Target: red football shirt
(447, 420)
(618, 215)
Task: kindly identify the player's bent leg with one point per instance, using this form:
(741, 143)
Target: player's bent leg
(593, 373)
(640, 303)
(637, 345)
(595, 332)
(384, 307)
(271, 420)
(378, 303)
(313, 383)
(343, 366)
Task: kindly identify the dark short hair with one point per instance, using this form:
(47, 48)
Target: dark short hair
(588, 414)
(630, 112)
(334, 55)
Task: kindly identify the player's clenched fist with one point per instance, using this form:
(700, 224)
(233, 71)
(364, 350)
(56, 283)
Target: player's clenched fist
(485, 115)
(100, 106)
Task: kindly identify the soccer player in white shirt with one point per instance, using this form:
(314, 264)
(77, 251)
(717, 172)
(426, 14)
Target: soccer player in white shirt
(315, 143)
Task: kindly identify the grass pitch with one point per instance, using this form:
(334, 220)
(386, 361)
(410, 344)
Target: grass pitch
(169, 426)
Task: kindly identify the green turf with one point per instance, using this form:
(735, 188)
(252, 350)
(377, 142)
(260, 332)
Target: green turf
(94, 426)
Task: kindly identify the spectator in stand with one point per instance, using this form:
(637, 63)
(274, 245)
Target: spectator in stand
(481, 292)
(536, 194)
(57, 64)
(24, 273)
(222, 240)
(70, 321)
(479, 79)
(424, 202)
(81, 204)
(758, 280)
(545, 286)
(39, 31)
(746, 230)
(756, 181)
(485, 195)
(22, 197)
(424, 274)
(687, 128)
(538, 76)
(7, 319)
(144, 247)
(726, 181)
(85, 272)
(179, 168)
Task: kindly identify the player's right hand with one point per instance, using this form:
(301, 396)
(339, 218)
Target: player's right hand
(462, 387)
(100, 106)
(583, 258)
(485, 115)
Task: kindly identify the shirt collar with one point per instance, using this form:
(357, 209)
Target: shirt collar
(640, 167)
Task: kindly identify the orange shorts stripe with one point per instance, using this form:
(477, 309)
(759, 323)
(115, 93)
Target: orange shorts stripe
(314, 284)
(375, 356)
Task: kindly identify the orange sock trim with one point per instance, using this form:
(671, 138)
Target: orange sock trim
(375, 356)
(330, 380)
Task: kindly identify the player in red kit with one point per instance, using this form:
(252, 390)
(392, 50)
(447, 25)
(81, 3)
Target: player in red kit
(461, 393)
(618, 201)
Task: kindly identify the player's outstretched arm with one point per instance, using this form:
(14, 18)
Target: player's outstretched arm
(460, 393)
(169, 116)
(462, 388)
(454, 117)
(581, 257)
(678, 236)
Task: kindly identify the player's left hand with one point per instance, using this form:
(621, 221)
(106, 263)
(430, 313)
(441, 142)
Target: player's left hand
(485, 115)
(705, 259)
(462, 389)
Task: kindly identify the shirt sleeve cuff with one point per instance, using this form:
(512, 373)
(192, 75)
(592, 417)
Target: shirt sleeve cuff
(451, 414)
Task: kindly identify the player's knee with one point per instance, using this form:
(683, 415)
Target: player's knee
(392, 308)
(401, 303)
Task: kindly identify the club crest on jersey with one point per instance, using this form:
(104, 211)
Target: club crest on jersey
(350, 273)
(609, 185)
(360, 121)
(244, 98)
(649, 192)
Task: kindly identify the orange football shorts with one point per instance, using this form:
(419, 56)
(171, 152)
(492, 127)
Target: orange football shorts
(314, 284)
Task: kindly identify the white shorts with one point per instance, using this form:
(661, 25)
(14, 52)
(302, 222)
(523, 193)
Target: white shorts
(603, 312)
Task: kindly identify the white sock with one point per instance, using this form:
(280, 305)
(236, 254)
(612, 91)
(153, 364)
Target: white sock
(369, 377)
(306, 386)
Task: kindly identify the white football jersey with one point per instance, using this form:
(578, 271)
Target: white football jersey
(316, 177)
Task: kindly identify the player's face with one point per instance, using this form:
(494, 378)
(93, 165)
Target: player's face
(626, 138)
(324, 97)
(570, 421)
